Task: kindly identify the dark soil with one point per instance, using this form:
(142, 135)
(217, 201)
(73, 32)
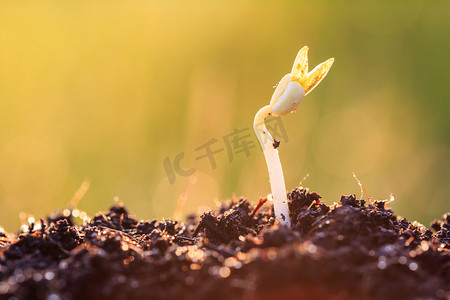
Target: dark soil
(352, 250)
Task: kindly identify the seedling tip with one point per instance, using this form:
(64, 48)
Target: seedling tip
(289, 92)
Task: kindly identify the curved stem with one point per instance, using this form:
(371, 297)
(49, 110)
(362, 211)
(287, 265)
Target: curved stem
(276, 177)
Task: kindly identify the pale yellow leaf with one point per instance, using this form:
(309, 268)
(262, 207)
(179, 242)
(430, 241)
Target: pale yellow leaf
(310, 81)
(300, 67)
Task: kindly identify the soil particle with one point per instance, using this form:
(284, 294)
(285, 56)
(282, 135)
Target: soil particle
(276, 143)
(350, 250)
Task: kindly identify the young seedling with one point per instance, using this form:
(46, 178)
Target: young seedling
(288, 94)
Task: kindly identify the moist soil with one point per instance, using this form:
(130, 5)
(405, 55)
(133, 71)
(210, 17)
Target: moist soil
(351, 250)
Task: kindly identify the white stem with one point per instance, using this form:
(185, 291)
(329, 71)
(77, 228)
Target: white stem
(276, 177)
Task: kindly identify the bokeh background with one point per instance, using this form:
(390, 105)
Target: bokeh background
(109, 90)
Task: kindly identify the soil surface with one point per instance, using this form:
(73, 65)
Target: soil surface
(351, 250)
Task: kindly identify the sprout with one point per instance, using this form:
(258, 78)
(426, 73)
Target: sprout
(288, 94)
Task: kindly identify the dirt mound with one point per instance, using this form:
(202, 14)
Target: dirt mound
(353, 250)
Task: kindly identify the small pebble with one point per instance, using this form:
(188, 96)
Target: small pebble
(134, 284)
(402, 260)
(37, 277)
(53, 297)
(49, 275)
(382, 265)
(312, 249)
(3, 287)
(413, 266)
(224, 272)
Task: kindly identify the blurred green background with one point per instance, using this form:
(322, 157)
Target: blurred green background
(107, 90)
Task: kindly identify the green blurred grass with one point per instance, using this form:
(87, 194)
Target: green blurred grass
(108, 89)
